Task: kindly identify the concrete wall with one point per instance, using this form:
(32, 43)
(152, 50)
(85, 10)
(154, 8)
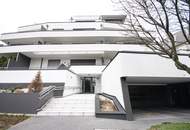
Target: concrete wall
(72, 25)
(67, 48)
(111, 83)
(73, 84)
(45, 63)
(25, 102)
(31, 28)
(151, 65)
(35, 63)
(98, 85)
(71, 80)
(138, 65)
(88, 70)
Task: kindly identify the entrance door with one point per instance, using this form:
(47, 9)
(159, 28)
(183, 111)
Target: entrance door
(88, 85)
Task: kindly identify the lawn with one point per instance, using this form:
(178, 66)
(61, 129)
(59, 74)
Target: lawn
(6, 121)
(171, 126)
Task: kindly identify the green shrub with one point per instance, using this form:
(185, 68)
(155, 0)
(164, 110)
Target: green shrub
(171, 126)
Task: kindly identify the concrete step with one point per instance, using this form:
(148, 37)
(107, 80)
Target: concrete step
(63, 108)
(66, 114)
(74, 105)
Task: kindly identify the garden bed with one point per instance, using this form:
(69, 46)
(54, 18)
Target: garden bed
(108, 106)
(6, 121)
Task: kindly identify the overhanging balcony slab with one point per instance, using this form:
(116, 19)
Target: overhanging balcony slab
(74, 48)
(88, 70)
(69, 36)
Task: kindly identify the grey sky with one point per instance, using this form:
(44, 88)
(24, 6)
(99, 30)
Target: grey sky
(16, 13)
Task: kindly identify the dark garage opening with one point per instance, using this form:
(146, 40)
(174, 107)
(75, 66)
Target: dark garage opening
(160, 98)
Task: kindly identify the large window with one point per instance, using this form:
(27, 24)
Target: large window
(83, 62)
(83, 29)
(114, 20)
(53, 63)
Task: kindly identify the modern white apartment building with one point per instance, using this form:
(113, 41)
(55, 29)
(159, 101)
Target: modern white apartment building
(94, 54)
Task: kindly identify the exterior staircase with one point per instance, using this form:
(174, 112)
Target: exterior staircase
(73, 105)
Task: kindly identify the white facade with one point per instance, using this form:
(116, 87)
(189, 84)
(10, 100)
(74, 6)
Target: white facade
(86, 46)
(141, 69)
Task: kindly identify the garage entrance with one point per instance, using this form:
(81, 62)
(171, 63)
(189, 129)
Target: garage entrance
(146, 96)
(154, 99)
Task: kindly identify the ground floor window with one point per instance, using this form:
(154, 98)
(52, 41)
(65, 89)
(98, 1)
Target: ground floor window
(83, 61)
(53, 63)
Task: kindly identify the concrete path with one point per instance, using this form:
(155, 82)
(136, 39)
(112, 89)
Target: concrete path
(160, 113)
(73, 105)
(88, 123)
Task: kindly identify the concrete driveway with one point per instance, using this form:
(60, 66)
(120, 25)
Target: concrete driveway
(160, 113)
(93, 123)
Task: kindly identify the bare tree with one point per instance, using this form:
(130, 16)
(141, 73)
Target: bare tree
(36, 85)
(159, 21)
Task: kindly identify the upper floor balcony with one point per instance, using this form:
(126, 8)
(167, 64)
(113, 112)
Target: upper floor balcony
(72, 49)
(68, 26)
(70, 37)
(81, 23)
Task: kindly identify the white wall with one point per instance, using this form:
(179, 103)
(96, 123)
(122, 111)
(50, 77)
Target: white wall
(138, 65)
(31, 28)
(151, 65)
(45, 63)
(98, 84)
(72, 25)
(98, 61)
(26, 76)
(35, 63)
(67, 48)
(65, 34)
(88, 69)
(111, 79)
(73, 84)
(71, 80)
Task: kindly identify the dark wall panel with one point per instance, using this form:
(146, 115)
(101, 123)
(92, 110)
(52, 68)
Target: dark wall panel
(23, 62)
(147, 96)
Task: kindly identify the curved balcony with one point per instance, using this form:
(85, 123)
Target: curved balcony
(73, 25)
(77, 49)
(87, 36)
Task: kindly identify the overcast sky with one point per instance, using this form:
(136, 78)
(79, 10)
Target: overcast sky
(16, 13)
